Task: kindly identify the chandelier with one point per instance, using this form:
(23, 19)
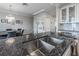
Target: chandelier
(10, 17)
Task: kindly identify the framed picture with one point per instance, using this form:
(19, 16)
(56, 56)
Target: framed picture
(4, 21)
(19, 22)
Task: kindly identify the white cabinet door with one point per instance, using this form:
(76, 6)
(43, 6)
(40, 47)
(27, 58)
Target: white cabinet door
(68, 51)
(72, 14)
(64, 15)
(68, 13)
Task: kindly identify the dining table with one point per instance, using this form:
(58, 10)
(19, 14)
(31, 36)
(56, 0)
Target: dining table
(4, 34)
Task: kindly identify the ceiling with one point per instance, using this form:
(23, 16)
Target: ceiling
(27, 10)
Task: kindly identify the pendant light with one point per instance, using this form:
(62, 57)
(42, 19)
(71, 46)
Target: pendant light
(10, 17)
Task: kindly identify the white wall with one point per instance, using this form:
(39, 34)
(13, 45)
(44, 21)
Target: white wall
(27, 23)
(53, 21)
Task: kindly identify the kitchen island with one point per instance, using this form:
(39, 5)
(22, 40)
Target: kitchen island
(40, 45)
(46, 45)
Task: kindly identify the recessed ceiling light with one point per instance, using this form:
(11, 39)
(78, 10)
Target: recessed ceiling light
(24, 4)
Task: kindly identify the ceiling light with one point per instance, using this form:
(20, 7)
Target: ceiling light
(10, 17)
(24, 4)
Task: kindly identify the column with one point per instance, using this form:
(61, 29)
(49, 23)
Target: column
(57, 18)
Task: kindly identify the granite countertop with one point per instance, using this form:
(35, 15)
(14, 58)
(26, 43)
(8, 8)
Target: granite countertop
(18, 46)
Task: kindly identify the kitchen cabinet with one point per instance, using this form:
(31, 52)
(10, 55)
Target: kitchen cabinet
(64, 14)
(68, 51)
(72, 14)
(67, 13)
(67, 17)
